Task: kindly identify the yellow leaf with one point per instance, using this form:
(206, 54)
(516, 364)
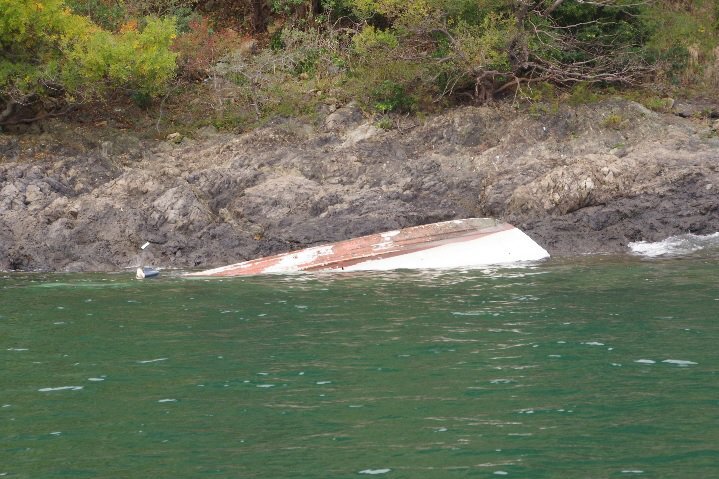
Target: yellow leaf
(129, 26)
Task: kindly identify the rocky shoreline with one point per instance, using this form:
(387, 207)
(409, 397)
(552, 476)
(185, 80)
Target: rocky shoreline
(586, 179)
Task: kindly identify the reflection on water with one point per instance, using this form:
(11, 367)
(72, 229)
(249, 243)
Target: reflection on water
(594, 367)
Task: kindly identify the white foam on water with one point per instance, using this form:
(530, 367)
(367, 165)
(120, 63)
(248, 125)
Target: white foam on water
(6, 405)
(18, 349)
(675, 245)
(56, 433)
(152, 360)
(323, 382)
(95, 379)
(61, 388)
(632, 471)
(265, 385)
(374, 472)
(501, 473)
(645, 361)
(167, 400)
(679, 362)
(593, 343)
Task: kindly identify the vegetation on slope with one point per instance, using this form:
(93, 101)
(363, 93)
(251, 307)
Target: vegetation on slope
(234, 63)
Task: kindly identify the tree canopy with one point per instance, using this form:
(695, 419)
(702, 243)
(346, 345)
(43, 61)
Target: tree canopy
(387, 52)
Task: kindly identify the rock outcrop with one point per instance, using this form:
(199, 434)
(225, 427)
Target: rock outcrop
(581, 180)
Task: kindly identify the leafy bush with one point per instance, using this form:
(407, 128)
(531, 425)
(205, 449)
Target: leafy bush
(685, 42)
(134, 60)
(483, 47)
(108, 15)
(392, 97)
(52, 52)
(615, 121)
(582, 94)
(201, 47)
(370, 39)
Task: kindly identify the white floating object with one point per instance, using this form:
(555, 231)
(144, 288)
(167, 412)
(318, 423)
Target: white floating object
(645, 361)
(374, 472)
(146, 272)
(466, 243)
(61, 388)
(146, 361)
(679, 362)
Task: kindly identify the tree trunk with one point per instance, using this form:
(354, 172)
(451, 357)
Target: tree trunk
(260, 16)
(8, 111)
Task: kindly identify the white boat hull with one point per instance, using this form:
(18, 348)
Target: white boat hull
(467, 243)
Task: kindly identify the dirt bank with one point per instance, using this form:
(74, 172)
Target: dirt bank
(588, 179)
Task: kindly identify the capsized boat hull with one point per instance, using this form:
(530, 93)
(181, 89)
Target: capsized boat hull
(465, 243)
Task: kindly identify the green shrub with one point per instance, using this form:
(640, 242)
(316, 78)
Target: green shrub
(583, 94)
(108, 15)
(137, 61)
(484, 46)
(392, 97)
(385, 123)
(684, 43)
(46, 44)
(615, 121)
(370, 40)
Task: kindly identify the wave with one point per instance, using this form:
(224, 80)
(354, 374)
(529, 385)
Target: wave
(679, 245)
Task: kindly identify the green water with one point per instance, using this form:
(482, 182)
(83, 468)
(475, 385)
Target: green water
(552, 371)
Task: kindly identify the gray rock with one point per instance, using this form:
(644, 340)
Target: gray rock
(573, 186)
(343, 118)
(174, 138)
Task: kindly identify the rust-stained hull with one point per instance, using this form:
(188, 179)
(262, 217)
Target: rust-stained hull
(463, 243)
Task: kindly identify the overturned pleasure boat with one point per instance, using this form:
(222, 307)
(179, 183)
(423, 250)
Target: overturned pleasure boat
(465, 243)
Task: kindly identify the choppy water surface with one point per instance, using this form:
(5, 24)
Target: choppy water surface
(594, 368)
